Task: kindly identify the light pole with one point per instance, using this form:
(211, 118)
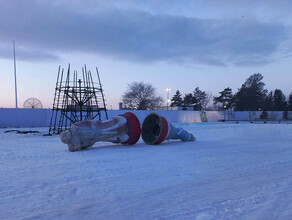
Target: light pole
(15, 75)
(167, 100)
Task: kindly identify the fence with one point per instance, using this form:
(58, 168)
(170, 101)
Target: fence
(11, 117)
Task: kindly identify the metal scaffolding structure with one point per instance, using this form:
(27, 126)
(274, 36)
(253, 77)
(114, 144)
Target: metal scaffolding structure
(76, 99)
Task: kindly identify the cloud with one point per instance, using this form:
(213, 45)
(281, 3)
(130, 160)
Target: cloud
(46, 30)
(26, 54)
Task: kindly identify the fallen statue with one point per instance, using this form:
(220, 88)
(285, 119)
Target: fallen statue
(124, 129)
(156, 129)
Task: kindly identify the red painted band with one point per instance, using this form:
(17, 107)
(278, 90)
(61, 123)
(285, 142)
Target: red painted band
(163, 132)
(133, 126)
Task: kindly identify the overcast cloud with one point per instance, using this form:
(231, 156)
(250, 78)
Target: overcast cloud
(43, 30)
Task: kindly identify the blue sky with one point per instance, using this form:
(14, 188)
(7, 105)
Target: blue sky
(178, 44)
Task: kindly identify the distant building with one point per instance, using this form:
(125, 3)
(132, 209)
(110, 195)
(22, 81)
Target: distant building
(120, 106)
(164, 108)
(182, 108)
(123, 108)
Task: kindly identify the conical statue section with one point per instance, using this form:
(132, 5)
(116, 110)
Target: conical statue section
(156, 129)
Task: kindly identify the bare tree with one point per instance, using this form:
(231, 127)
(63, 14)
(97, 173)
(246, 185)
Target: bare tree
(207, 103)
(141, 96)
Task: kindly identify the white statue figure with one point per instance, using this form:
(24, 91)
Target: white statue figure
(123, 129)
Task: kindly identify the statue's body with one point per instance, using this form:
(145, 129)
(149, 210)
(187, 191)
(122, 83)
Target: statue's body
(123, 129)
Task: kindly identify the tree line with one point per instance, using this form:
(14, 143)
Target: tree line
(251, 96)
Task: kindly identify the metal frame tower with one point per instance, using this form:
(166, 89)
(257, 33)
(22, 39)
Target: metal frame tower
(76, 99)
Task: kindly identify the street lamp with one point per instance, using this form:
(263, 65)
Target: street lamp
(167, 98)
(224, 112)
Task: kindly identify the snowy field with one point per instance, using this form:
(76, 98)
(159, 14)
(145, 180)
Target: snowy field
(232, 171)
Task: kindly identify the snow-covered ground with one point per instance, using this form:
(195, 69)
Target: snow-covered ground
(232, 171)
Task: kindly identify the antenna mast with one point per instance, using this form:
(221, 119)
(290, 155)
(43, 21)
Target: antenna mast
(15, 75)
